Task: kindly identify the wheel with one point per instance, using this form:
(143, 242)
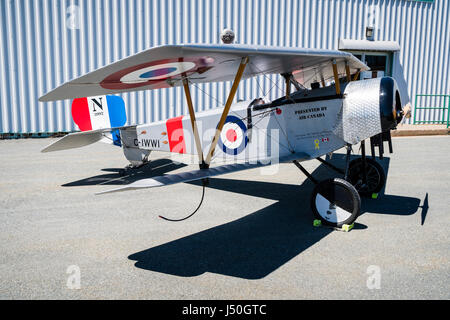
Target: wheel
(335, 202)
(376, 178)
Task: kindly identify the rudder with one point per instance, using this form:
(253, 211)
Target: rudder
(100, 112)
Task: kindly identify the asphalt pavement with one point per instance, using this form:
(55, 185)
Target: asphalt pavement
(252, 238)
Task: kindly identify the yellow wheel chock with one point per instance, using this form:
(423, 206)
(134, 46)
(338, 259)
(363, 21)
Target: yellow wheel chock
(345, 227)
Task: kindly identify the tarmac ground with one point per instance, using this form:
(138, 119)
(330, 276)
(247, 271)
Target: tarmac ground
(404, 130)
(253, 237)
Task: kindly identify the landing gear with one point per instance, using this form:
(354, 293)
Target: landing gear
(366, 174)
(370, 182)
(125, 171)
(335, 202)
(131, 168)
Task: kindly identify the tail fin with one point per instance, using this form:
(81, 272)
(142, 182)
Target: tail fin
(100, 112)
(95, 116)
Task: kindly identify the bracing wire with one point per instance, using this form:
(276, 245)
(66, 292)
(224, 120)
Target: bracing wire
(187, 217)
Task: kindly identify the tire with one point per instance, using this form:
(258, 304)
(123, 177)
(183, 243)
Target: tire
(376, 177)
(335, 202)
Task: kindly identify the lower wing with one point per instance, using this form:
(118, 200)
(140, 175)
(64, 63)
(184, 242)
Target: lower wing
(203, 173)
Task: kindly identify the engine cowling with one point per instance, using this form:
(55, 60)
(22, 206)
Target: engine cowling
(370, 107)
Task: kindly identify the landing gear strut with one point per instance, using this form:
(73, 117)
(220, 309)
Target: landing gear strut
(130, 169)
(366, 174)
(334, 201)
(369, 180)
(337, 201)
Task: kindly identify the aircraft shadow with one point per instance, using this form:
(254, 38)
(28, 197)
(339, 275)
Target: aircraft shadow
(255, 245)
(154, 168)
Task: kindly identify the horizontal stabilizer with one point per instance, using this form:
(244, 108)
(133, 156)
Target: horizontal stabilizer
(78, 139)
(201, 174)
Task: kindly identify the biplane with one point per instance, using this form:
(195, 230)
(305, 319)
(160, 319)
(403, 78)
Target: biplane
(324, 107)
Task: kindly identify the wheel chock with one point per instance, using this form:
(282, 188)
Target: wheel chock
(345, 227)
(374, 195)
(317, 223)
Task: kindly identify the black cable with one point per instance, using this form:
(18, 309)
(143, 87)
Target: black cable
(199, 205)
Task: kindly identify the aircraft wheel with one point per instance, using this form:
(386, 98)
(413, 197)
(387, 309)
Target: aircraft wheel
(376, 178)
(335, 202)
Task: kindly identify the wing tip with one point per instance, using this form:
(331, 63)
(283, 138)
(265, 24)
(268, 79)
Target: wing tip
(42, 98)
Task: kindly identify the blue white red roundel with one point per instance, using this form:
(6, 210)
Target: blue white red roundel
(233, 138)
(155, 73)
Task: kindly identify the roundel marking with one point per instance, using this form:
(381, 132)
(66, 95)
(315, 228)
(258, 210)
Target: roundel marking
(231, 135)
(155, 73)
(233, 138)
(152, 74)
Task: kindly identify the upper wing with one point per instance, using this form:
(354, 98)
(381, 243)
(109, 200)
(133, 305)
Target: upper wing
(201, 174)
(163, 67)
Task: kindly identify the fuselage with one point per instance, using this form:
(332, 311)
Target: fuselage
(314, 122)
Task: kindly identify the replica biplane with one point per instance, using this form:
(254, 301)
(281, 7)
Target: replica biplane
(324, 107)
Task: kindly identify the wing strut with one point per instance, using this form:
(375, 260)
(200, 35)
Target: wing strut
(226, 109)
(356, 75)
(347, 71)
(289, 81)
(288, 86)
(193, 122)
(337, 84)
(322, 81)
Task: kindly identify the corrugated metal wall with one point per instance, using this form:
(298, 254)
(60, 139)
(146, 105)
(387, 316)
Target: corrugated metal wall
(48, 42)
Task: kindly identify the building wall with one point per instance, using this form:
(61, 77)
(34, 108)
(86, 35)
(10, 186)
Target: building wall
(45, 43)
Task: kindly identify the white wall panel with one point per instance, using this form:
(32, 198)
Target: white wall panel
(45, 43)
